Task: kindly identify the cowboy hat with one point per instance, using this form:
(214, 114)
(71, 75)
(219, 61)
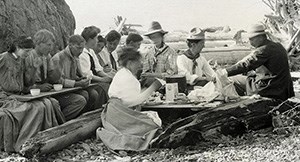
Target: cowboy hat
(155, 27)
(196, 34)
(256, 29)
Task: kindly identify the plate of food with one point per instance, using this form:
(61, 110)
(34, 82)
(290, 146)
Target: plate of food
(154, 99)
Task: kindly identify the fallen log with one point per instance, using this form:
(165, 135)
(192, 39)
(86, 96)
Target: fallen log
(59, 137)
(229, 119)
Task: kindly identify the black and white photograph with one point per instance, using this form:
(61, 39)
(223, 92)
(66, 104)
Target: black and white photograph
(149, 80)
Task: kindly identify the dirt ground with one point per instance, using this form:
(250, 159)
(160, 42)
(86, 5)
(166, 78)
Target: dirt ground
(253, 146)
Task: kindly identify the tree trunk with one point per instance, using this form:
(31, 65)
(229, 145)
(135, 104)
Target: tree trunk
(59, 137)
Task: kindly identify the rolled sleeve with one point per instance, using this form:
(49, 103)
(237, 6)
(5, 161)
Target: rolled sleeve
(207, 70)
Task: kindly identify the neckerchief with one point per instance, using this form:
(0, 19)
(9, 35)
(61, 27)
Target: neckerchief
(157, 53)
(190, 55)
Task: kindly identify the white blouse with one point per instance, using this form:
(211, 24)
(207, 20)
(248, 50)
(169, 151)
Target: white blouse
(185, 67)
(124, 86)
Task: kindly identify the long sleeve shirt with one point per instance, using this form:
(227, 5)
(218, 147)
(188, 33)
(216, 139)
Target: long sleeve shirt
(162, 60)
(128, 92)
(105, 55)
(272, 78)
(69, 66)
(11, 72)
(185, 67)
(38, 69)
(85, 62)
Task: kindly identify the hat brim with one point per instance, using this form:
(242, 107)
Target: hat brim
(156, 31)
(195, 38)
(252, 35)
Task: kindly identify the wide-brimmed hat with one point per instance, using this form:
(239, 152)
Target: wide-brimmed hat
(155, 27)
(196, 34)
(255, 30)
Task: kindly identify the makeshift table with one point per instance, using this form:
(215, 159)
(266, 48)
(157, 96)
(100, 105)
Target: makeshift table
(29, 97)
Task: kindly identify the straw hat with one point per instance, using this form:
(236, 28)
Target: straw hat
(155, 27)
(256, 29)
(196, 34)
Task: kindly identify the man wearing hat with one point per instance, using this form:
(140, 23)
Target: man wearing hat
(159, 58)
(193, 66)
(268, 63)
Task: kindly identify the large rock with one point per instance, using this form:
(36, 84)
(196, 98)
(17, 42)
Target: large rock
(26, 17)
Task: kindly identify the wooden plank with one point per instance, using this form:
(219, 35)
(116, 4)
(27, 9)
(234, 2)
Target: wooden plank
(174, 105)
(59, 137)
(295, 75)
(29, 97)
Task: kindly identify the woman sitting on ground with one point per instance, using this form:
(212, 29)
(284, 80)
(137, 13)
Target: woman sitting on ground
(20, 121)
(125, 126)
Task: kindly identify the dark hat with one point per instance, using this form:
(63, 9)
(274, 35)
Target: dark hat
(25, 42)
(155, 27)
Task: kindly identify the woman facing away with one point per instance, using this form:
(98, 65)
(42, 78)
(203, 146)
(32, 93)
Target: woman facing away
(21, 120)
(125, 127)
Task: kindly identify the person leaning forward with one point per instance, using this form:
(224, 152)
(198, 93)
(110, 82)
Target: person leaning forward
(41, 73)
(72, 75)
(267, 67)
(89, 62)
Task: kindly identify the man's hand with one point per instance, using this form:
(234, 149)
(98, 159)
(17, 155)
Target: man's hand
(81, 78)
(221, 73)
(44, 87)
(106, 79)
(82, 83)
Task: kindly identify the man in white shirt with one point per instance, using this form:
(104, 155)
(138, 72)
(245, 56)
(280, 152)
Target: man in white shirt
(191, 64)
(89, 63)
(88, 60)
(108, 53)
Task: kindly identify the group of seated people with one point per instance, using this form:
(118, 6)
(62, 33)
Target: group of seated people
(115, 71)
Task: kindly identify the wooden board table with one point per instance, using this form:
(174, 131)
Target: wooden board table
(29, 97)
(174, 105)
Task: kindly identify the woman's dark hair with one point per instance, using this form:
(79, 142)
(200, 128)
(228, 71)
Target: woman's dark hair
(21, 42)
(134, 37)
(112, 36)
(90, 32)
(101, 39)
(191, 41)
(129, 54)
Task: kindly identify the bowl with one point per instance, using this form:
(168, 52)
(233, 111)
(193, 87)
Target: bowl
(35, 92)
(57, 87)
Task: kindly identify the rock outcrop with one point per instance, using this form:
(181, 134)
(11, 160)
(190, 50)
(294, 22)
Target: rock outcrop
(26, 17)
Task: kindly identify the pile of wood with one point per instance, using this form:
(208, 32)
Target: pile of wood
(230, 119)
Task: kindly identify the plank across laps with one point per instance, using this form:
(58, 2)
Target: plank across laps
(29, 97)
